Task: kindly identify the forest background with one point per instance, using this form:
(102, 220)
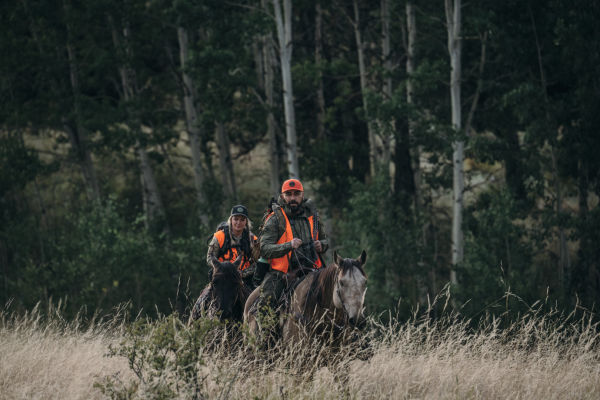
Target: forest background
(130, 128)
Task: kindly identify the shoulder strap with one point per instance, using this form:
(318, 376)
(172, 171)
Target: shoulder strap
(278, 211)
(227, 243)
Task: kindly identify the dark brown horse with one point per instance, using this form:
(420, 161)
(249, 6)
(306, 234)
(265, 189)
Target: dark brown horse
(328, 299)
(224, 297)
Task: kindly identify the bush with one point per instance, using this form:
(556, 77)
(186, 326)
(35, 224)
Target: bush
(167, 358)
(98, 259)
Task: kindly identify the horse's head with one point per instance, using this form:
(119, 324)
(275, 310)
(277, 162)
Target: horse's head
(350, 286)
(226, 286)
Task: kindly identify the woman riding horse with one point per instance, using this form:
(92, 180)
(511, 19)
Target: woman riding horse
(225, 295)
(232, 240)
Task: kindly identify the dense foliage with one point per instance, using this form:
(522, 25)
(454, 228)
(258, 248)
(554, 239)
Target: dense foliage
(88, 89)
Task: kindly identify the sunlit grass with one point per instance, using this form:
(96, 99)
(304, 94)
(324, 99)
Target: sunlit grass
(538, 356)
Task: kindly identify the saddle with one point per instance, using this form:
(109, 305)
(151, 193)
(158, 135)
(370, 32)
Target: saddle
(292, 279)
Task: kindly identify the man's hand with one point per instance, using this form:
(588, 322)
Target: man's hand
(318, 246)
(296, 242)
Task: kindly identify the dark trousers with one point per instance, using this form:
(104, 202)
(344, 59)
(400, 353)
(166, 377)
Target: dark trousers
(271, 289)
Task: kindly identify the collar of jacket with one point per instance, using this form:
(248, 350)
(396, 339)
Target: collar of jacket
(306, 208)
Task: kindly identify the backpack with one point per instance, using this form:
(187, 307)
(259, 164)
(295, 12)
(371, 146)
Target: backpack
(221, 227)
(272, 208)
(244, 246)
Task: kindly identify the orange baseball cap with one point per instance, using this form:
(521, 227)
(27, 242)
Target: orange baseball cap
(292, 184)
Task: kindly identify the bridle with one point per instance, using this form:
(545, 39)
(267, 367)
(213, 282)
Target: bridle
(345, 314)
(238, 286)
(338, 293)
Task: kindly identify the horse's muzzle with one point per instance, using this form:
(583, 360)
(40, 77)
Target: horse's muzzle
(358, 322)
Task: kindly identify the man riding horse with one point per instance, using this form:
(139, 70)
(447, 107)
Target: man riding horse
(292, 240)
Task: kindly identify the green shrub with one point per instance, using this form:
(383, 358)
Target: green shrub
(167, 358)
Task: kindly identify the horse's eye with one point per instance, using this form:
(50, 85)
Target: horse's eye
(341, 283)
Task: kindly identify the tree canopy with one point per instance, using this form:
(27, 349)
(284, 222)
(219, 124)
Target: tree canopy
(128, 129)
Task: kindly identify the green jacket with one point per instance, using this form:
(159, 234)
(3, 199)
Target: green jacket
(274, 229)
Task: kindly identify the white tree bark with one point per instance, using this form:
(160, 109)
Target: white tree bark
(191, 117)
(153, 205)
(267, 64)
(318, 61)
(225, 162)
(387, 135)
(363, 88)
(453, 20)
(284, 36)
(411, 27)
(78, 136)
(564, 263)
(152, 200)
(271, 124)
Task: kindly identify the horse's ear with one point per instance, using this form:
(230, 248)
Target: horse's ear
(238, 261)
(336, 258)
(215, 263)
(363, 258)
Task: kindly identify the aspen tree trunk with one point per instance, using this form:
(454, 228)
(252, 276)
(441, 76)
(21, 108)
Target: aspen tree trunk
(152, 200)
(78, 135)
(387, 136)
(411, 27)
(318, 61)
(271, 124)
(257, 52)
(191, 117)
(564, 264)
(453, 20)
(284, 35)
(153, 205)
(363, 88)
(587, 246)
(415, 150)
(265, 64)
(225, 162)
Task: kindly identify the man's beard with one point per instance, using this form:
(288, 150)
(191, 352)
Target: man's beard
(294, 206)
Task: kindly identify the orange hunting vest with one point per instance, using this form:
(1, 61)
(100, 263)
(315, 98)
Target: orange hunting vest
(232, 254)
(283, 263)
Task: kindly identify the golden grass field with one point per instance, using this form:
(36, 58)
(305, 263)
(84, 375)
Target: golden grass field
(540, 356)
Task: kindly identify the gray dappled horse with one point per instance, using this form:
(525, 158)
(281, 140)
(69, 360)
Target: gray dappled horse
(224, 297)
(328, 298)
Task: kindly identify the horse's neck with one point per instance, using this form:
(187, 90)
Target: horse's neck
(327, 288)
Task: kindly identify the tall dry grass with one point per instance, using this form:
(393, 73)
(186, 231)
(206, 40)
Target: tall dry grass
(43, 356)
(539, 356)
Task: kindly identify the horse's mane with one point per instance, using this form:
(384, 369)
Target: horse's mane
(229, 272)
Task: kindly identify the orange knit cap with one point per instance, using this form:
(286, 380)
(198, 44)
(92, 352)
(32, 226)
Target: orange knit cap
(292, 184)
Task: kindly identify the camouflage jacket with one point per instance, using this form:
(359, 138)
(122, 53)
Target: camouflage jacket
(274, 229)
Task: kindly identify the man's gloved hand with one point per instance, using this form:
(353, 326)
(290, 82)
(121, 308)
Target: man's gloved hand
(262, 267)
